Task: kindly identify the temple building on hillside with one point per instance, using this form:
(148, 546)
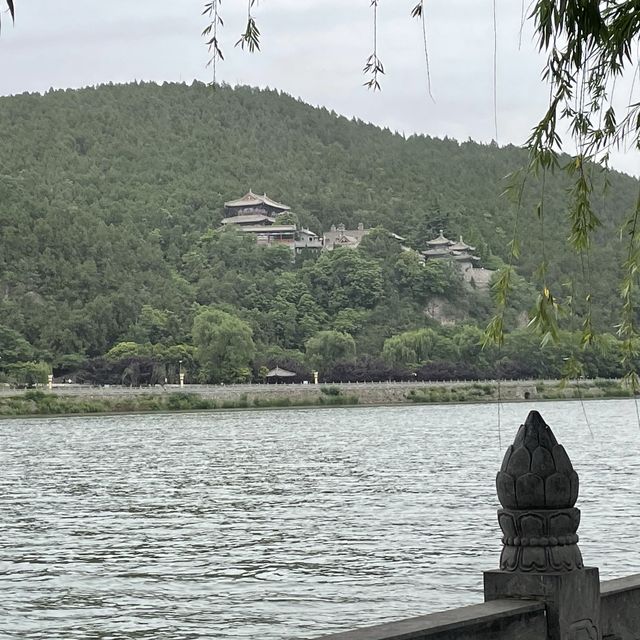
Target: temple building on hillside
(258, 215)
(265, 229)
(307, 240)
(252, 204)
(341, 237)
(461, 254)
(459, 251)
(438, 247)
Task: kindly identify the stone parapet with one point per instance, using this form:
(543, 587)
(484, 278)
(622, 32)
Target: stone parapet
(620, 608)
(496, 620)
(572, 599)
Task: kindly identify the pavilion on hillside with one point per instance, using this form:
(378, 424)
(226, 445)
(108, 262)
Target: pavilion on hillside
(442, 247)
(461, 254)
(257, 215)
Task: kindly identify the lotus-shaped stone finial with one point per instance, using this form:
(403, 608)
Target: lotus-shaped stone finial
(536, 472)
(538, 489)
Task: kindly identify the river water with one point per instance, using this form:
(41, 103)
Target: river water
(280, 524)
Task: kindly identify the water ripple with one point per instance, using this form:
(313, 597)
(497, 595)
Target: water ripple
(278, 524)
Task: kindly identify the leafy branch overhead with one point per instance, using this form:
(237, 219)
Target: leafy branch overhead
(211, 9)
(250, 39)
(373, 66)
(251, 36)
(588, 47)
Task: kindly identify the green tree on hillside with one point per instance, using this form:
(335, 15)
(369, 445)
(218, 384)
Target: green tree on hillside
(380, 244)
(423, 281)
(224, 346)
(127, 350)
(13, 347)
(328, 347)
(414, 348)
(345, 278)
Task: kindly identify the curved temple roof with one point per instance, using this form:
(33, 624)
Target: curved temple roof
(250, 199)
(440, 240)
(461, 245)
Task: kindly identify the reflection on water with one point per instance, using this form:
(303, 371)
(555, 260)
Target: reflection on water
(278, 524)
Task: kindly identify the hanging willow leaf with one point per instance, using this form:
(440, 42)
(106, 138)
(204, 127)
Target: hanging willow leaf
(373, 67)
(251, 36)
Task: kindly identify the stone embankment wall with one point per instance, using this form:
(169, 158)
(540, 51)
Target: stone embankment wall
(367, 393)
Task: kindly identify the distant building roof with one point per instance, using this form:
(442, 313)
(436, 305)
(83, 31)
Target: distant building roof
(345, 239)
(308, 232)
(339, 236)
(439, 241)
(464, 256)
(248, 218)
(461, 245)
(251, 199)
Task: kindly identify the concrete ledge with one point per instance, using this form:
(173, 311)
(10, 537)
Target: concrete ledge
(495, 620)
(620, 608)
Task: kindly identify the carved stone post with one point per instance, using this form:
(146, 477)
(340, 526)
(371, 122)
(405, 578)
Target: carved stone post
(538, 488)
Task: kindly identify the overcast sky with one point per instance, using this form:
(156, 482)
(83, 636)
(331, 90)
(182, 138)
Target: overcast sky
(312, 49)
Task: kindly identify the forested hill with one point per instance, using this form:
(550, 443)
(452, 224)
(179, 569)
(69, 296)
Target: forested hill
(107, 193)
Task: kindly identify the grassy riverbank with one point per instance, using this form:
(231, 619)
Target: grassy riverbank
(479, 392)
(94, 401)
(41, 403)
